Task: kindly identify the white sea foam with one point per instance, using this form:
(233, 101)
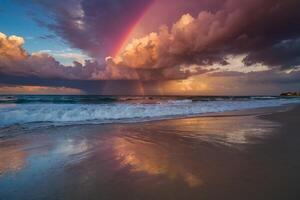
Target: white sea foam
(116, 112)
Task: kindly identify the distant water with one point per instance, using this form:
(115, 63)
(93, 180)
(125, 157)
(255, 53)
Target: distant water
(61, 109)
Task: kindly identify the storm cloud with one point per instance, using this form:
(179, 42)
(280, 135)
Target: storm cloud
(203, 41)
(266, 30)
(14, 60)
(95, 26)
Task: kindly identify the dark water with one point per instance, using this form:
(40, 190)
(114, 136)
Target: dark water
(99, 99)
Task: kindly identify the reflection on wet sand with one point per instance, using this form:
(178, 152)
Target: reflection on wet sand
(70, 147)
(168, 148)
(15, 154)
(224, 130)
(172, 159)
(12, 158)
(153, 160)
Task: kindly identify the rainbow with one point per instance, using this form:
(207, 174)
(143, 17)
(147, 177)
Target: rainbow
(125, 38)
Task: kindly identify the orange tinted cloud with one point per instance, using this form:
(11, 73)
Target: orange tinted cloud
(208, 38)
(11, 49)
(38, 90)
(14, 60)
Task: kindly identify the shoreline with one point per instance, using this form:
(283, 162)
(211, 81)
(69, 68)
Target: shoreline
(252, 155)
(242, 112)
(245, 112)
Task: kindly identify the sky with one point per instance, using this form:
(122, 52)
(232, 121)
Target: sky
(149, 47)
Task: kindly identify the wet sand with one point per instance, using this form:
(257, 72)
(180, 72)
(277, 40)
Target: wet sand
(242, 155)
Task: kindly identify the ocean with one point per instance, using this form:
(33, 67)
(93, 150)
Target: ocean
(28, 110)
(85, 147)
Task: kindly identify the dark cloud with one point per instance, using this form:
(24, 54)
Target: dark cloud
(272, 82)
(265, 31)
(259, 28)
(265, 77)
(15, 60)
(285, 54)
(104, 87)
(95, 26)
(222, 83)
(18, 67)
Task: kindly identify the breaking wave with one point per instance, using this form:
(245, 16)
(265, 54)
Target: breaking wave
(60, 113)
